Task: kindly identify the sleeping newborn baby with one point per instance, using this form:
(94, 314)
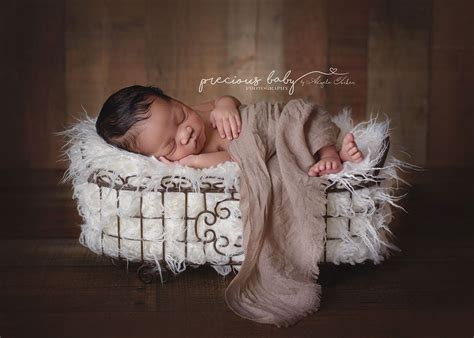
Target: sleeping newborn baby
(146, 121)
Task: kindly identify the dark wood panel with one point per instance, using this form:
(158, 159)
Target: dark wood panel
(348, 23)
(186, 41)
(32, 62)
(450, 136)
(12, 146)
(305, 43)
(42, 84)
(125, 44)
(86, 57)
(35, 205)
(411, 60)
(398, 73)
(254, 41)
(349, 323)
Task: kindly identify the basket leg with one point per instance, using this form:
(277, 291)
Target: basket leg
(148, 273)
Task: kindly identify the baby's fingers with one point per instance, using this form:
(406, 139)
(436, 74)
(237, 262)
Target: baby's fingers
(220, 128)
(234, 126)
(227, 128)
(238, 121)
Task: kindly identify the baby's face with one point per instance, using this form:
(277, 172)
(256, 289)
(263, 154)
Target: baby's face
(173, 130)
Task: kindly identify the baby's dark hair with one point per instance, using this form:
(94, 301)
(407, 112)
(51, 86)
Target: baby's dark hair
(122, 110)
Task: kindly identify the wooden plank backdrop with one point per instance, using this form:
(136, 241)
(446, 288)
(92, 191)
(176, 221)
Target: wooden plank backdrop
(348, 33)
(409, 59)
(450, 135)
(412, 60)
(398, 71)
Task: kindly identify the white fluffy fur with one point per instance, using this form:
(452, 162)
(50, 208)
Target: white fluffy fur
(369, 211)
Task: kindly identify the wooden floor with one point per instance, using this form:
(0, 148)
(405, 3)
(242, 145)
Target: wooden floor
(54, 287)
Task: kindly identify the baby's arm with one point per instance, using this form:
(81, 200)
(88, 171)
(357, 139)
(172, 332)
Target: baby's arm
(227, 100)
(207, 160)
(200, 161)
(224, 115)
(221, 100)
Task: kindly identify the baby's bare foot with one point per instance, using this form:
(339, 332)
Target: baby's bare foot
(327, 165)
(349, 150)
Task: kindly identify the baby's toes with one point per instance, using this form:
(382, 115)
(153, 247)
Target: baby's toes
(314, 170)
(352, 151)
(324, 172)
(350, 145)
(336, 167)
(348, 138)
(357, 156)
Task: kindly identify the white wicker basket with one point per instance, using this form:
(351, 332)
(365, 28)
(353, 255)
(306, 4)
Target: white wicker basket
(166, 218)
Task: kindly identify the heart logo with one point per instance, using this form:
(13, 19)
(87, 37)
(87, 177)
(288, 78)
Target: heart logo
(333, 70)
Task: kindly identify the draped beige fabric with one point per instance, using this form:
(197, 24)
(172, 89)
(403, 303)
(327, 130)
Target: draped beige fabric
(282, 210)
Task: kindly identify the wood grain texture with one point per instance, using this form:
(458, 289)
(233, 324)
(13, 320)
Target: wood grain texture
(39, 99)
(186, 42)
(305, 43)
(35, 205)
(106, 50)
(347, 51)
(254, 44)
(86, 57)
(450, 135)
(12, 54)
(125, 43)
(398, 72)
(411, 60)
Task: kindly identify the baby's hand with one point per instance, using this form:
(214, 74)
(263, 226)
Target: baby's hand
(327, 165)
(226, 117)
(187, 160)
